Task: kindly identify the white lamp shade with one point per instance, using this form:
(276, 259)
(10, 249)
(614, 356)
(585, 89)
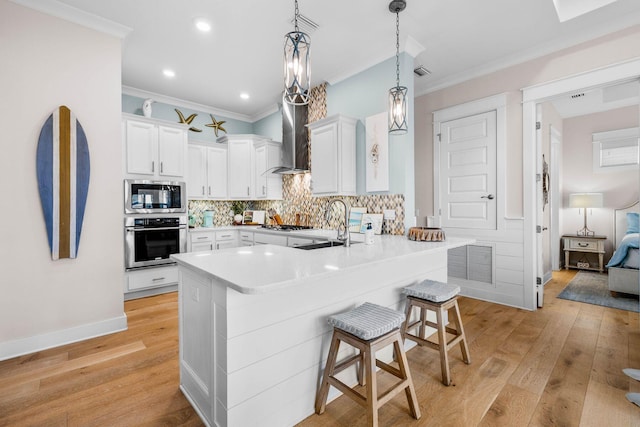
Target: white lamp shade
(585, 200)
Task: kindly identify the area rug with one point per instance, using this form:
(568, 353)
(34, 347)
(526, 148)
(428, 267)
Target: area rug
(593, 288)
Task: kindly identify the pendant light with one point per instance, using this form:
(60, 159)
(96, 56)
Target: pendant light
(297, 72)
(398, 94)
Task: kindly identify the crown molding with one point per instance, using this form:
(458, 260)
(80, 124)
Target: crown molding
(77, 16)
(165, 99)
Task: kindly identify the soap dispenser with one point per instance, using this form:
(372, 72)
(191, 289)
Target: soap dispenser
(368, 234)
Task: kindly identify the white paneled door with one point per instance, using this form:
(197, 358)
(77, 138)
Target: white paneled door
(468, 172)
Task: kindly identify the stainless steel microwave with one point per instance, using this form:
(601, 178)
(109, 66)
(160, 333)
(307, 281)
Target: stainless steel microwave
(153, 197)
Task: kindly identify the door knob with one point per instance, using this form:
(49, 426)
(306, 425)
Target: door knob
(490, 197)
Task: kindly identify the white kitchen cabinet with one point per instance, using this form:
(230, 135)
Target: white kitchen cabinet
(226, 239)
(269, 239)
(239, 166)
(248, 159)
(267, 155)
(333, 156)
(293, 242)
(154, 149)
(207, 172)
(246, 238)
(149, 278)
(201, 241)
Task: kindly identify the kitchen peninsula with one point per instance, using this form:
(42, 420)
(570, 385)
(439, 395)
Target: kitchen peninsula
(253, 320)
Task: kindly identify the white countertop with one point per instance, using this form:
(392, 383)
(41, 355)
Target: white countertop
(263, 268)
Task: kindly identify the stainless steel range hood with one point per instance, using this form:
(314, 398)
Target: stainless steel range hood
(295, 140)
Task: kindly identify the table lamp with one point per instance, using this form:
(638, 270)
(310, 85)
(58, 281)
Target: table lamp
(584, 201)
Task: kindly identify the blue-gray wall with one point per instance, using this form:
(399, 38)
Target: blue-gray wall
(270, 126)
(133, 105)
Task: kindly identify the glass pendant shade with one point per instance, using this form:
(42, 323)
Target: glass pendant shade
(297, 72)
(398, 110)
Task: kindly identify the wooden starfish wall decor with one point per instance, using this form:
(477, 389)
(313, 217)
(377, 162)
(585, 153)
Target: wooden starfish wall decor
(188, 120)
(216, 125)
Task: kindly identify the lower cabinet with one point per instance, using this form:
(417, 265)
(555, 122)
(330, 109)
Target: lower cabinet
(149, 278)
(269, 239)
(246, 238)
(292, 242)
(208, 240)
(226, 239)
(201, 241)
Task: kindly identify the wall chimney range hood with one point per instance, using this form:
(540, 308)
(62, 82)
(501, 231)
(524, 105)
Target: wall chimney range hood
(295, 140)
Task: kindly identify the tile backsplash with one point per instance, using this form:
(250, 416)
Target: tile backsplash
(297, 199)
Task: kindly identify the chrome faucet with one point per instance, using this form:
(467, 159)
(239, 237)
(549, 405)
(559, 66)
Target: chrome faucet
(343, 229)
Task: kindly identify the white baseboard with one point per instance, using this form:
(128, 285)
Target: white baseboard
(19, 347)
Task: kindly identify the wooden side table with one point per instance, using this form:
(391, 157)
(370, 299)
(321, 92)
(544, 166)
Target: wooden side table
(584, 245)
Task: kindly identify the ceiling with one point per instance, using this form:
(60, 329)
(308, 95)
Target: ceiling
(457, 39)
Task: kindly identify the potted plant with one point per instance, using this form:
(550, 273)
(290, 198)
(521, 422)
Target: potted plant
(238, 207)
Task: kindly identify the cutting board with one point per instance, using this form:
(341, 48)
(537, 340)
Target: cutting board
(63, 168)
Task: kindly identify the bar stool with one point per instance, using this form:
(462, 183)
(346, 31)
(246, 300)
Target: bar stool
(440, 298)
(368, 328)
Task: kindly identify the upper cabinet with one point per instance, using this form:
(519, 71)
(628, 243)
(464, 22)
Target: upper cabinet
(333, 156)
(239, 166)
(248, 162)
(267, 155)
(207, 172)
(154, 149)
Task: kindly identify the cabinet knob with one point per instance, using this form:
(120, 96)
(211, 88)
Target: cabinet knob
(161, 167)
(209, 190)
(153, 166)
(203, 190)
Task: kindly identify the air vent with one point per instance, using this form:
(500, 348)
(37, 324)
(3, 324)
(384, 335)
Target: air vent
(577, 95)
(421, 71)
(305, 24)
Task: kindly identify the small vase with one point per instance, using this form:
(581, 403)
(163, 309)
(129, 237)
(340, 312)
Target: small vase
(146, 107)
(237, 219)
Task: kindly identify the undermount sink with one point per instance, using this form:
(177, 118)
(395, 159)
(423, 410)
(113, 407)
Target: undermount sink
(328, 244)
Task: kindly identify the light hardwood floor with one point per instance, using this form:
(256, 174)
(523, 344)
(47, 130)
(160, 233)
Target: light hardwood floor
(561, 365)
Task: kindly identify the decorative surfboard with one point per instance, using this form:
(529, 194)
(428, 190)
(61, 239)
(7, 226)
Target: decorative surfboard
(62, 164)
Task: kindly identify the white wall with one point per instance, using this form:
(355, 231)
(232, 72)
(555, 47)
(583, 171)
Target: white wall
(48, 62)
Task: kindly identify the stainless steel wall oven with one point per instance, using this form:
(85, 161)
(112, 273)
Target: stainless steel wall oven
(150, 240)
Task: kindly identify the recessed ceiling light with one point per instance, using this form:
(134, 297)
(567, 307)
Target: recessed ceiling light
(202, 25)
(168, 73)
(244, 95)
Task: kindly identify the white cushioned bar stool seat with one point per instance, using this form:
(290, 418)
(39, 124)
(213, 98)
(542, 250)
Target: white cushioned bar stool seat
(439, 297)
(368, 328)
(368, 321)
(432, 291)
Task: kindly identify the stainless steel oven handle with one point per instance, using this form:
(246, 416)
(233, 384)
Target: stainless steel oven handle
(155, 228)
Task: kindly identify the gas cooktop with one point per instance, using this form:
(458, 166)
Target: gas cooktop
(286, 227)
